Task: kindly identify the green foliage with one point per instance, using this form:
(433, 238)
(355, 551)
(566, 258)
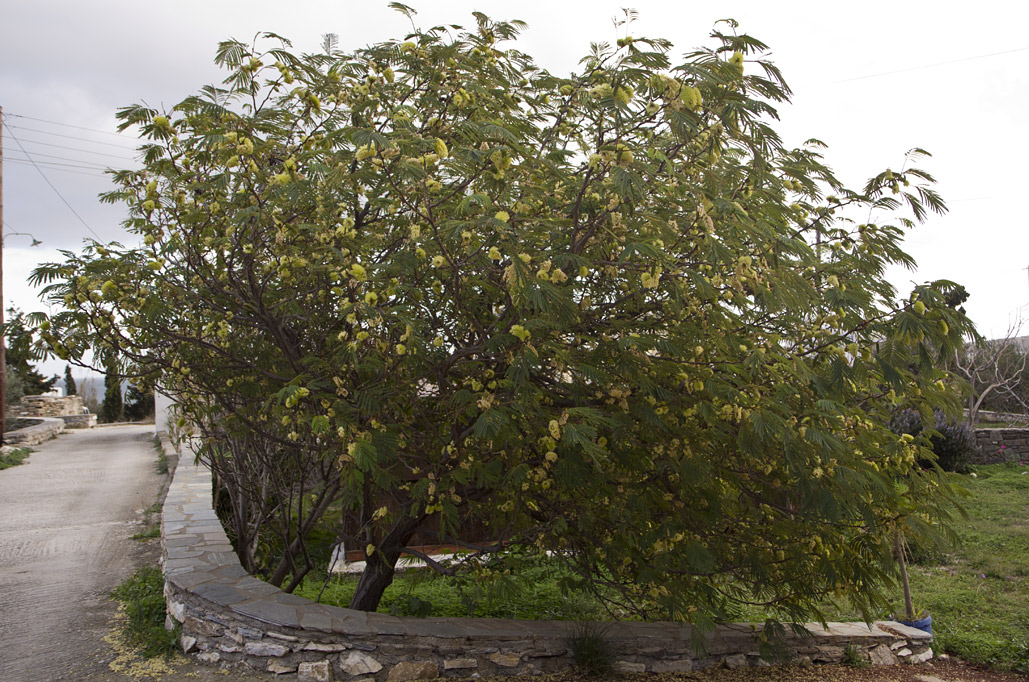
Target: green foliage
(69, 382)
(162, 458)
(23, 347)
(854, 657)
(953, 443)
(142, 598)
(112, 408)
(610, 315)
(15, 385)
(139, 403)
(591, 651)
(14, 457)
(148, 534)
(979, 594)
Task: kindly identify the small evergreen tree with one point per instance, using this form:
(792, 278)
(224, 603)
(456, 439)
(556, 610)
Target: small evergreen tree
(111, 409)
(69, 382)
(139, 403)
(22, 350)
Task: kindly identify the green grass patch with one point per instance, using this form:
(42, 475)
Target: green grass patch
(142, 598)
(979, 596)
(148, 534)
(162, 458)
(539, 591)
(14, 458)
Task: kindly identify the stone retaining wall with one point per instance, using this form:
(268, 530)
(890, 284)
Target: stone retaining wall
(79, 421)
(47, 406)
(1010, 417)
(1001, 445)
(230, 617)
(35, 434)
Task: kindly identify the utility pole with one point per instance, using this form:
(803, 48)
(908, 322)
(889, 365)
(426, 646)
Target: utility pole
(3, 343)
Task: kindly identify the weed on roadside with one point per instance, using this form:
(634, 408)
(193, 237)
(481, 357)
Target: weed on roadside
(162, 458)
(142, 601)
(148, 534)
(14, 457)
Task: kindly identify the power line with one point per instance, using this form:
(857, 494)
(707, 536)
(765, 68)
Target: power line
(66, 125)
(76, 149)
(65, 158)
(70, 137)
(43, 175)
(929, 66)
(95, 174)
(55, 166)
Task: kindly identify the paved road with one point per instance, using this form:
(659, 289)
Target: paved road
(66, 520)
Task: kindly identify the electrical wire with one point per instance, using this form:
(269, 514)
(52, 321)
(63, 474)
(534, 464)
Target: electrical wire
(53, 165)
(66, 125)
(47, 180)
(65, 158)
(930, 66)
(70, 137)
(76, 149)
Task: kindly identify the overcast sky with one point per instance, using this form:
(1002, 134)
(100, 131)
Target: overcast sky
(871, 79)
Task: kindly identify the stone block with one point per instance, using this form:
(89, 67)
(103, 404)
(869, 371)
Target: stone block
(318, 671)
(682, 665)
(209, 657)
(410, 670)
(279, 668)
(828, 654)
(358, 663)
(189, 644)
(324, 647)
(460, 664)
(629, 667)
(265, 649)
(881, 655)
(919, 658)
(505, 660)
(177, 610)
(735, 661)
(202, 627)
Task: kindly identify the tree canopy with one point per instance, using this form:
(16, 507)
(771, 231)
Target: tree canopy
(608, 316)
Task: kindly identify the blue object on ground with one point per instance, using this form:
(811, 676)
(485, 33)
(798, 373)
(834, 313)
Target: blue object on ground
(923, 624)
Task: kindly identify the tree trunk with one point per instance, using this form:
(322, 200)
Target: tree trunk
(379, 568)
(898, 547)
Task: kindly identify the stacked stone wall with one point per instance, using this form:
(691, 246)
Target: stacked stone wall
(1001, 445)
(230, 617)
(47, 406)
(46, 429)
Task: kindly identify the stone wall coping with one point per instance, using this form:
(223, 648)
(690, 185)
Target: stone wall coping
(203, 577)
(37, 433)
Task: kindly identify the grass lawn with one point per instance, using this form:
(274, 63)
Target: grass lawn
(978, 594)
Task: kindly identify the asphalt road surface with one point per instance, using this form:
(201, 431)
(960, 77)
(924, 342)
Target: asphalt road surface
(66, 520)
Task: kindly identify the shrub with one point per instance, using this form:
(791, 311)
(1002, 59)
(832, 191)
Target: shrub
(953, 443)
(591, 649)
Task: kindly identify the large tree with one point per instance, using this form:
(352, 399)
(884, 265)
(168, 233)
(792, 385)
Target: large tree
(23, 348)
(608, 316)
